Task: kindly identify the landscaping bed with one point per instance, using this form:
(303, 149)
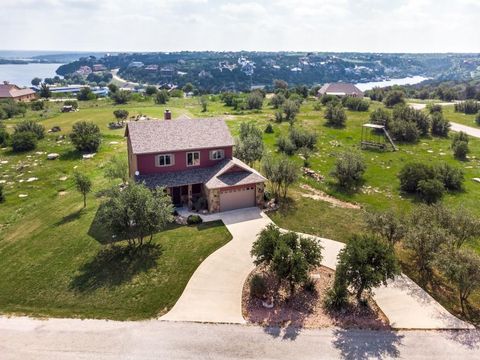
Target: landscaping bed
(305, 309)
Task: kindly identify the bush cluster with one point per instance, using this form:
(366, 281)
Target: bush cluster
(468, 107)
(430, 181)
(460, 145)
(85, 136)
(297, 139)
(335, 115)
(355, 103)
(194, 219)
(24, 141)
(31, 126)
(10, 108)
(349, 169)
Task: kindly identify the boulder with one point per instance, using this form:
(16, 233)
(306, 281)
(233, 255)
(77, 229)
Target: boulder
(53, 156)
(88, 156)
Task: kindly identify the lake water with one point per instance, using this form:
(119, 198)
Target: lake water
(22, 75)
(412, 80)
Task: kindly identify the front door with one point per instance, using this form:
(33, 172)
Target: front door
(177, 196)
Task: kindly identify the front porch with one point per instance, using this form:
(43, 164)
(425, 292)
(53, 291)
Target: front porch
(186, 195)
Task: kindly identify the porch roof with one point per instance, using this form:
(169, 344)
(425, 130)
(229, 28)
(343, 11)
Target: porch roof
(213, 177)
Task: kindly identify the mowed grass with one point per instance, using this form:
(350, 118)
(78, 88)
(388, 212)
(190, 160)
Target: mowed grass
(53, 254)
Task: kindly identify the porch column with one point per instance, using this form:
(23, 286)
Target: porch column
(189, 196)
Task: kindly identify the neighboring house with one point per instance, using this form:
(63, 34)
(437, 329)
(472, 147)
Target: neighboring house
(340, 89)
(192, 158)
(84, 70)
(99, 67)
(13, 92)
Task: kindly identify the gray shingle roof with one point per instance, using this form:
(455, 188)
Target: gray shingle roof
(213, 177)
(154, 136)
(340, 88)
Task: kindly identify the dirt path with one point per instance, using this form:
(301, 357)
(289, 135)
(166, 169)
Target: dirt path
(320, 195)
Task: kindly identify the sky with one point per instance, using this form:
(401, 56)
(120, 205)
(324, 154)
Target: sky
(226, 25)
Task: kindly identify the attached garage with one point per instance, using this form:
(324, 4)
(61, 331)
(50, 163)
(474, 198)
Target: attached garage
(237, 198)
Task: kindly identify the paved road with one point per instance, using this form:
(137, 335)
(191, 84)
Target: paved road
(466, 129)
(24, 339)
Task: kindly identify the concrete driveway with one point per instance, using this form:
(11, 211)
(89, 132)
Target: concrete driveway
(214, 292)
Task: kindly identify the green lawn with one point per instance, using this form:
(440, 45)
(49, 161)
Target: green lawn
(51, 256)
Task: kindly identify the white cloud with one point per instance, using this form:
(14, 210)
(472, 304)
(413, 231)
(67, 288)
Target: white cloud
(166, 25)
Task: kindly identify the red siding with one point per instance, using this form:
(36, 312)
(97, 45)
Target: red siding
(146, 162)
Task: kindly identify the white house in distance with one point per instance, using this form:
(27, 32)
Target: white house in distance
(340, 89)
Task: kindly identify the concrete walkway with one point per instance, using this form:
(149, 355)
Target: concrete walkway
(466, 129)
(214, 293)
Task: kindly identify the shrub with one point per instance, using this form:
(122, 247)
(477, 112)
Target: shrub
(269, 129)
(477, 118)
(254, 101)
(10, 108)
(200, 204)
(404, 131)
(194, 219)
(258, 286)
(468, 107)
(418, 117)
(86, 94)
(37, 105)
(349, 169)
(336, 297)
(412, 173)
(285, 145)
(4, 136)
(430, 190)
(72, 103)
(177, 93)
(2, 194)
(317, 106)
(460, 149)
(278, 116)
(434, 108)
(309, 285)
(394, 97)
(355, 103)
(440, 125)
(151, 90)
(31, 126)
(381, 116)
(86, 136)
(24, 141)
(335, 115)
(121, 97)
(277, 101)
(329, 99)
(301, 138)
(162, 97)
(451, 177)
(290, 109)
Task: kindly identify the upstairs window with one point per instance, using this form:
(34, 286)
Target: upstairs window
(217, 154)
(193, 158)
(164, 160)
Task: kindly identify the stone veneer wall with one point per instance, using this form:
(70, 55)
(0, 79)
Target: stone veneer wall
(213, 199)
(259, 190)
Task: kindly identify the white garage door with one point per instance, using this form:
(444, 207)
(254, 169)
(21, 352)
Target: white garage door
(237, 198)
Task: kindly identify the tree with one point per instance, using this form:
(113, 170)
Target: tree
(280, 84)
(45, 91)
(335, 115)
(36, 81)
(381, 116)
(290, 109)
(83, 185)
(387, 225)
(188, 88)
(37, 105)
(440, 125)
(86, 94)
(204, 103)
(86, 136)
(249, 144)
(277, 100)
(136, 212)
(282, 173)
(366, 262)
(288, 255)
(121, 115)
(117, 168)
(424, 239)
(112, 88)
(31, 126)
(349, 169)
(4, 136)
(151, 90)
(121, 97)
(23, 141)
(394, 97)
(162, 97)
(254, 101)
(461, 267)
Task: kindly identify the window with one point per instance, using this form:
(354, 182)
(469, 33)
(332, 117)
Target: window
(164, 160)
(217, 154)
(193, 158)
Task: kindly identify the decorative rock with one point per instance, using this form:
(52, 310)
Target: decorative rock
(113, 142)
(313, 174)
(32, 179)
(63, 178)
(476, 180)
(88, 156)
(53, 156)
(268, 304)
(4, 162)
(22, 196)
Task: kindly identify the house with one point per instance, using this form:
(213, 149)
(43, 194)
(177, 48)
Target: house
(99, 67)
(340, 89)
(136, 64)
(84, 70)
(13, 92)
(193, 159)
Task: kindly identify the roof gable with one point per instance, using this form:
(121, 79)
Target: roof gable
(13, 91)
(156, 136)
(340, 88)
